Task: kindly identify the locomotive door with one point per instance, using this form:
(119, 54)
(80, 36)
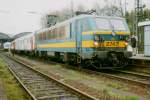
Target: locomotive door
(78, 33)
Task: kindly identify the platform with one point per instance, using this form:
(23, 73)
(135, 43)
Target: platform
(140, 57)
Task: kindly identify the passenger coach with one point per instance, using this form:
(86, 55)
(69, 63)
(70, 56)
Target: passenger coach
(24, 44)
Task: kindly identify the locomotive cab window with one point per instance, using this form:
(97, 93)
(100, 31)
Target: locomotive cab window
(118, 24)
(102, 24)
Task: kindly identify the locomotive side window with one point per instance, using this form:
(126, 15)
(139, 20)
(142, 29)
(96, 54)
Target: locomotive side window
(40, 36)
(49, 34)
(85, 25)
(102, 24)
(61, 31)
(56, 33)
(44, 35)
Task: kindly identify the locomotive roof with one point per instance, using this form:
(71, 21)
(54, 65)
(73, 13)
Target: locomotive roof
(75, 18)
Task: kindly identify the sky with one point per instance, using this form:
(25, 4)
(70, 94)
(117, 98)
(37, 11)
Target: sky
(16, 16)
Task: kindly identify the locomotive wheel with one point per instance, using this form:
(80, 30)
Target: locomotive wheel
(123, 61)
(97, 63)
(92, 63)
(113, 59)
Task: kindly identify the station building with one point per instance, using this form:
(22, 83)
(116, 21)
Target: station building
(145, 29)
(4, 38)
(21, 34)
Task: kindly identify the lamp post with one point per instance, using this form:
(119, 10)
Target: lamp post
(72, 8)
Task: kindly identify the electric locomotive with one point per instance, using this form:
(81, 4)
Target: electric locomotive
(96, 41)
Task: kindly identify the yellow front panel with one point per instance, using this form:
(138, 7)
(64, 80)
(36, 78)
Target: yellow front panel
(120, 44)
(122, 33)
(90, 43)
(96, 32)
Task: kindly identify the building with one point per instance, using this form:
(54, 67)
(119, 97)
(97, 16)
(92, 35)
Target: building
(144, 28)
(3, 38)
(21, 34)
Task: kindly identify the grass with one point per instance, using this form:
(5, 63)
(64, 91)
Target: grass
(105, 87)
(131, 98)
(11, 87)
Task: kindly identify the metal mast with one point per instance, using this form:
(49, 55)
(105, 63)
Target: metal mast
(72, 10)
(137, 9)
(138, 17)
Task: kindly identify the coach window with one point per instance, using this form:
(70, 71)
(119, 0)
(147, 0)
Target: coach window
(67, 31)
(57, 33)
(71, 30)
(41, 36)
(49, 34)
(61, 31)
(52, 34)
(36, 36)
(45, 35)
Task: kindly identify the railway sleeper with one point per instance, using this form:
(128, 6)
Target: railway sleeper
(69, 96)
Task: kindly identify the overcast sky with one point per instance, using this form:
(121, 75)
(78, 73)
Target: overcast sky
(15, 16)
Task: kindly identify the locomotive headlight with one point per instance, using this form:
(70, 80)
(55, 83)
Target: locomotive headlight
(96, 43)
(126, 43)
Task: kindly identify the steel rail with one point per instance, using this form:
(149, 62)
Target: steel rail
(68, 87)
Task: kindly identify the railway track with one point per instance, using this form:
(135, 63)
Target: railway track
(137, 78)
(127, 77)
(121, 75)
(40, 86)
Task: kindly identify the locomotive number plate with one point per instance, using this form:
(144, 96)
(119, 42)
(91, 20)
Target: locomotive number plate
(112, 44)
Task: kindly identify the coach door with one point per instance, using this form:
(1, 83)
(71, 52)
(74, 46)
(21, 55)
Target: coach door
(78, 37)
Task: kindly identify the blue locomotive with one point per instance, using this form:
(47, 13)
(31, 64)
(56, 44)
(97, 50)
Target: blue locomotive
(93, 40)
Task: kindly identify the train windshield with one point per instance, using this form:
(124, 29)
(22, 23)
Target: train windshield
(111, 24)
(118, 25)
(102, 24)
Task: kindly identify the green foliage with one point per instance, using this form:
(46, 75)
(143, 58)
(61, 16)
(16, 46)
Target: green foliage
(131, 98)
(130, 16)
